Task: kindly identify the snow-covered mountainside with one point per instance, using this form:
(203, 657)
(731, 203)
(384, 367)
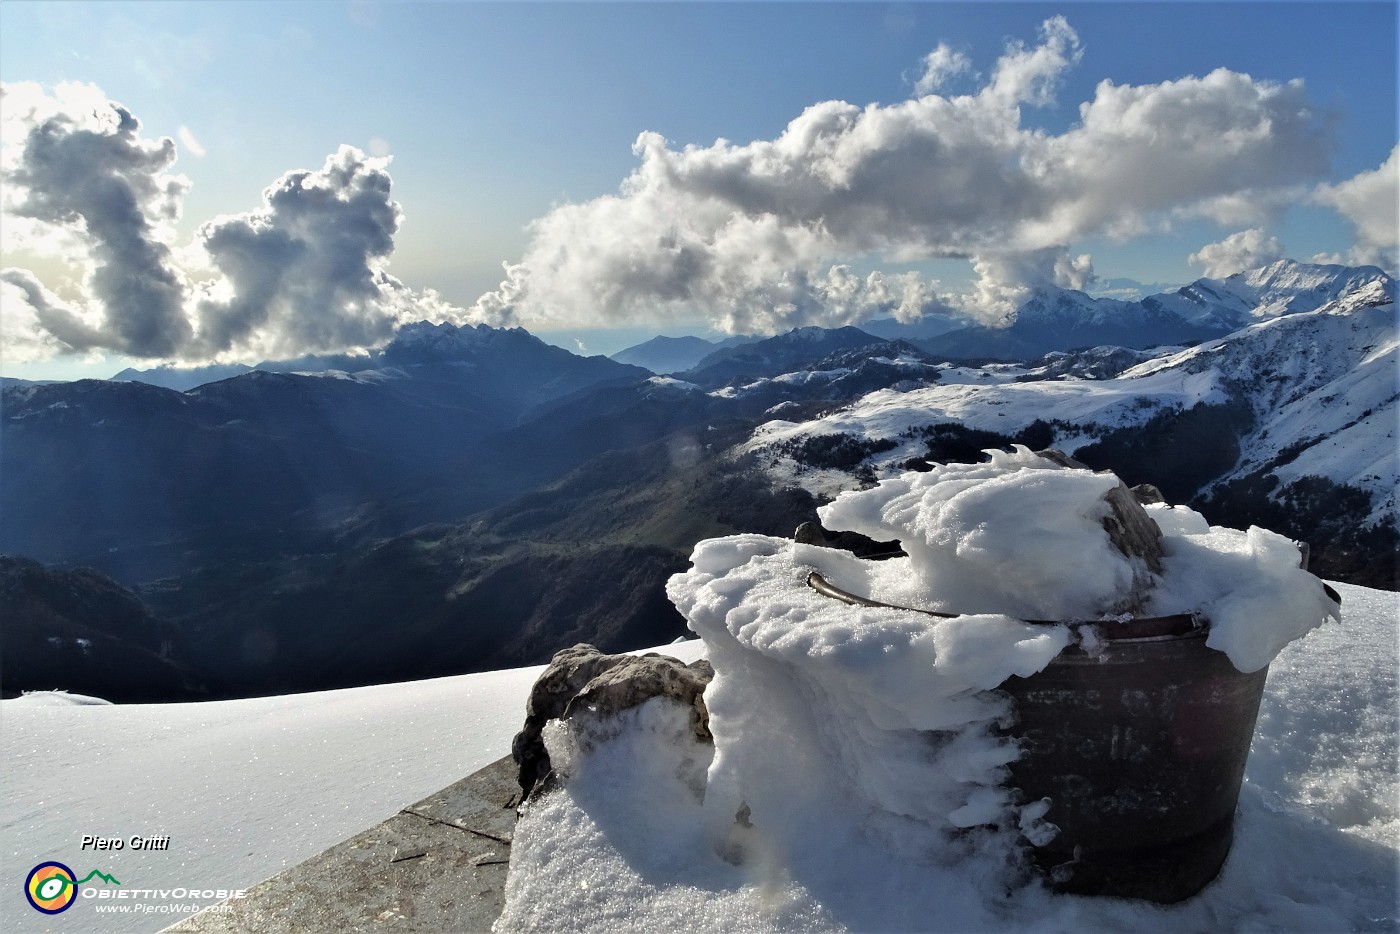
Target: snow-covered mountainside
(1287, 399)
(1280, 288)
(1103, 362)
(1323, 386)
(776, 355)
(1061, 319)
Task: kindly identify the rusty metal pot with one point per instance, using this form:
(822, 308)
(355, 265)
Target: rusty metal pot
(1138, 733)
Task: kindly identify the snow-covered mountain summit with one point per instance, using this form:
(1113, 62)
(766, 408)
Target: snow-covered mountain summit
(1290, 420)
(1323, 387)
(1055, 319)
(1280, 288)
(423, 341)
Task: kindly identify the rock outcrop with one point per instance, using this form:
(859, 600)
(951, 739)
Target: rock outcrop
(583, 681)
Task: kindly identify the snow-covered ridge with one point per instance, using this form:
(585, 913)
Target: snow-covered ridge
(1280, 288)
(1003, 407)
(1322, 385)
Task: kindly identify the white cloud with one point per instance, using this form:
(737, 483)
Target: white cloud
(1004, 280)
(77, 162)
(191, 142)
(24, 338)
(307, 272)
(938, 66)
(748, 235)
(1247, 249)
(1371, 201)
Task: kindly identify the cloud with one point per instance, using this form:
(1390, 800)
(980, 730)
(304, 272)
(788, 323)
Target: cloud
(938, 66)
(1005, 280)
(191, 142)
(32, 319)
(1371, 201)
(749, 235)
(305, 273)
(83, 165)
(1247, 249)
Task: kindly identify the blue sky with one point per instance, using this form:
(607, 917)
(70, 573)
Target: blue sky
(496, 113)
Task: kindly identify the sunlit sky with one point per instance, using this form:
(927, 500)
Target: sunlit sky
(496, 113)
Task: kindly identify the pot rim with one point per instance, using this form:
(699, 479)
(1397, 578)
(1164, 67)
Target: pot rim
(1133, 629)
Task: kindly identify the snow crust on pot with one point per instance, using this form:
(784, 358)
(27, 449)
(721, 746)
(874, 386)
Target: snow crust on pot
(878, 716)
(1023, 536)
(876, 720)
(1018, 535)
(857, 775)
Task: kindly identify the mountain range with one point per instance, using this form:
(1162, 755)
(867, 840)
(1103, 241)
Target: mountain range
(1054, 319)
(470, 497)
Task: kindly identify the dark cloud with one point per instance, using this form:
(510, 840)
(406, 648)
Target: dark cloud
(304, 273)
(94, 173)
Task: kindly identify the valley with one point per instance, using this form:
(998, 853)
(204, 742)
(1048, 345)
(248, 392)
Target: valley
(470, 499)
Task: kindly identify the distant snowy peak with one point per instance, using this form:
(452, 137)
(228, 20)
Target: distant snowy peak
(1049, 306)
(1296, 352)
(776, 355)
(1066, 311)
(1280, 288)
(425, 340)
(1055, 319)
(181, 378)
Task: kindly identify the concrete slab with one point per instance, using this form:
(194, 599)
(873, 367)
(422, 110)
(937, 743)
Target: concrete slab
(438, 865)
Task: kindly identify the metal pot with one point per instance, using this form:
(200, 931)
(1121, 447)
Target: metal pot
(1138, 733)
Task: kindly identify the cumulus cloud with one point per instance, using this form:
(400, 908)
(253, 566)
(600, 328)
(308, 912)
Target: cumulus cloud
(1371, 201)
(31, 319)
(83, 165)
(306, 272)
(1247, 249)
(750, 235)
(1005, 280)
(938, 66)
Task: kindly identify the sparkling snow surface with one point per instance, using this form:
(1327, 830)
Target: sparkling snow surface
(243, 788)
(246, 788)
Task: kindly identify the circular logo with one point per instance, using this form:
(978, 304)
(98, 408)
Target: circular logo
(50, 888)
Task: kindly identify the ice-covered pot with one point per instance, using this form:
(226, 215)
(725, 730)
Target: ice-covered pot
(1138, 733)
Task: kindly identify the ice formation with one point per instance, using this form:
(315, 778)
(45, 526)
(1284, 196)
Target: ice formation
(886, 713)
(1018, 535)
(857, 771)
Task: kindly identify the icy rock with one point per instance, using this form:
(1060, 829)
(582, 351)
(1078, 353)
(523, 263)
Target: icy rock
(582, 682)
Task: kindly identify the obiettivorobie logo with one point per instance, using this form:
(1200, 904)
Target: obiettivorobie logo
(52, 887)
